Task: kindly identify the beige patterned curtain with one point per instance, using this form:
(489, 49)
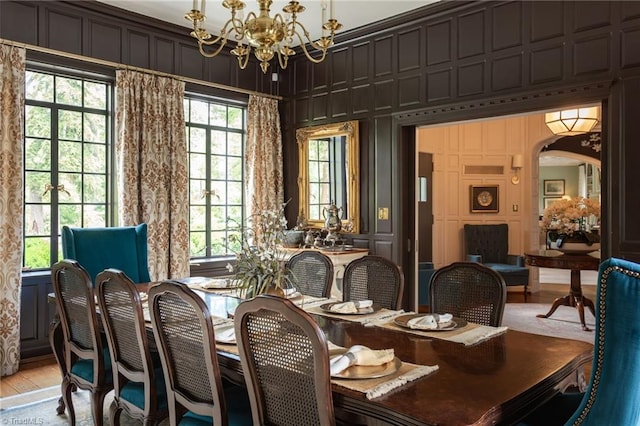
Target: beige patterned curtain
(12, 75)
(263, 163)
(153, 178)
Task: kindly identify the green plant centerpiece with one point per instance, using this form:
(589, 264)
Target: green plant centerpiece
(572, 220)
(260, 266)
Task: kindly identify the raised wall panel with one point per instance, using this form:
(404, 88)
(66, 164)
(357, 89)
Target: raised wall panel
(222, 68)
(383, 94)
(383, 56)
(439, 42)
(320, 77)
(630, 10)
(28, 313)
(383, 178)
(105, 41)
(360, 62)
(383, 248)
(361, 99)
(471, 79)
(248, 77)
(546, 64)
(439, 85)
(547, 20)
(138, 49)
(19, 22)
(409, 50)
(301, 73)
(339, 103)
(506, 72)
(588, 15)
(302, 110)
(165, 54)
(506, 27)
(64, 32)
(191, 61)
(471, 34)
(320, 106)
(409, 90)
(630, 205)
(340, 66)
(592, 55)
(630, 46)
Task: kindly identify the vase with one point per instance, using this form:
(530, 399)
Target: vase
(579, 243)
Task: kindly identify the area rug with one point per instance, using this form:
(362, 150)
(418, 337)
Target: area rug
(564, 322)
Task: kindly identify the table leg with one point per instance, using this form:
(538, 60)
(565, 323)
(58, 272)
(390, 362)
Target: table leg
(576, 293)
(560, 301)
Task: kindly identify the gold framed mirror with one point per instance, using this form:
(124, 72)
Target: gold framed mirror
(328, 173)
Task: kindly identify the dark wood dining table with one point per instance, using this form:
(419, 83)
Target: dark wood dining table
(497, 381)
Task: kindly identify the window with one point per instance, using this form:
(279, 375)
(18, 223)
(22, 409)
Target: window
(327, 176)
(215, 138)
(67, 153)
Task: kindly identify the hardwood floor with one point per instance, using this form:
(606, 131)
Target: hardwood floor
(42, 372)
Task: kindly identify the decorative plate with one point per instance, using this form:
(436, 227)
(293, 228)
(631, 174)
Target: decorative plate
(403, 321)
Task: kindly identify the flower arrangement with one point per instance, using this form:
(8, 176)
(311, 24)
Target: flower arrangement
(260, 264)
(571, 216)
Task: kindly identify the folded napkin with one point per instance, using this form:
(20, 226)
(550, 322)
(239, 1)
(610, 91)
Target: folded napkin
(359, 355)
(290, 292)
(226, 334)
(215, 283)
(430, 321)
(351, 307)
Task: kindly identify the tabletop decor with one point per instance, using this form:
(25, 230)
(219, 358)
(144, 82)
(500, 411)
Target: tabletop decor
(260, 263)
(572, 225)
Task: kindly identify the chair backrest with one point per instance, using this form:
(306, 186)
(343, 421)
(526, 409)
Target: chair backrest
(76, 308)
(124, 325)
(489, 241)
(184, 332)
(614, 388)
(123, 248)
(470, 291)
(289, 382)
(373, 278)
(312, 272)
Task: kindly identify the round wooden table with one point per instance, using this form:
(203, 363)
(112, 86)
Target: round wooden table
(574, 262)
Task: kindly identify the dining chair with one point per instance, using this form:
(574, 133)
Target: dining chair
(611, 398)
(285, 362)
(123, 248)
(87, 364)
(373, 278)
(470, 291)
(312, 272)
(138, 381)
(196, 392)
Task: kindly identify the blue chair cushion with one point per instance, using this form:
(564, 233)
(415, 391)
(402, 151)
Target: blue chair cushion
(512, 274)
(84, 368)
(238, 409)
(134, 391)
(96, 249)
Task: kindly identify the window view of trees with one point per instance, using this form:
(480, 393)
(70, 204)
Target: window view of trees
(215, 137)
(66, 157)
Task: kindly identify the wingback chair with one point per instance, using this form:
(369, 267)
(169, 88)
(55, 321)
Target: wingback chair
(489, 245)
(96, 249)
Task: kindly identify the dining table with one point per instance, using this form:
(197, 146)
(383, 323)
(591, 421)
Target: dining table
(496, 380)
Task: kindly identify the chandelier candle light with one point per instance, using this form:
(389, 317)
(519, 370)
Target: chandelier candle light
(266, 35)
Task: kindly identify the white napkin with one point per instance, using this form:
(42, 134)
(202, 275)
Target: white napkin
(351, 307)
(226, 334)
(359, 355)
(430, 321)
(215, 283)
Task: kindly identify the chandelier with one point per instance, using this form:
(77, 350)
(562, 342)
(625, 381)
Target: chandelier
(572, 121)
(267, 36)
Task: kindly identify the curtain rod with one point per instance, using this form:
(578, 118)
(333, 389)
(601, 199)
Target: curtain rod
(117, 65)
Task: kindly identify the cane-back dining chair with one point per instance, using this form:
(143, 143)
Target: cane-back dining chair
(96, 249)
(196, 392)
(470, 291)
(139, 387)
(312, 272)
(87, 364)
(373, 278)
(285, 361)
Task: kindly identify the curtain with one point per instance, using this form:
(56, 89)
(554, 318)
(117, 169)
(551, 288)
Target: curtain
(153, 180)
(12, 80)
(263, 159)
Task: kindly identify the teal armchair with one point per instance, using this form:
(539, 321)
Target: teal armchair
(97, 249)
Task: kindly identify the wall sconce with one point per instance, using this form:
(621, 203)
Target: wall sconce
(572, 121)
(517, 163)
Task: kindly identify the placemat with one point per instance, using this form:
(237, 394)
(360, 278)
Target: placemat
(468, 335)
(381, 316)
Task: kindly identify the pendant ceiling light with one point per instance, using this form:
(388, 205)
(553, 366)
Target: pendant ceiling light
(572, 121)
(267, 36)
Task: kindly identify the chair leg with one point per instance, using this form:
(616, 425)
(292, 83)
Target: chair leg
(525, 293)
(97, 405)
(114, 414)
(66, 389)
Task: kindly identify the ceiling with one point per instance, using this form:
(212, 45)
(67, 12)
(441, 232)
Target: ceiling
(351, 13)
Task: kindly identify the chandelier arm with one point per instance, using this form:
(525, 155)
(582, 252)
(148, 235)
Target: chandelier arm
(285, 62)
(211, 54)
(314, 44)
(312, 59)
(243, 64)
(224, 32)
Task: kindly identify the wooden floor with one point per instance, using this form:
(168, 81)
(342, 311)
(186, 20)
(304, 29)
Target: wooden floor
(40, 373)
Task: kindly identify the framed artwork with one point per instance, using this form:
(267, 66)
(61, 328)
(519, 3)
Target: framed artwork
(554, 187)
(550, 200)
(483, 199)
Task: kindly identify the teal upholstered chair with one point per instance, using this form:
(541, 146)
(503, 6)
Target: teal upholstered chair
(614, 388)
(96, 249)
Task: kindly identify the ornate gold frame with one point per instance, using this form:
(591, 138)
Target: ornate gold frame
(350, 129)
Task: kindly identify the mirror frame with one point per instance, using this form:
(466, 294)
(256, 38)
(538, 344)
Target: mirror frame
(350, 130)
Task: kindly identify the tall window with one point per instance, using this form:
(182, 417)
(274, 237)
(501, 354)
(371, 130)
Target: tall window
(327, 176)
(66, 160)
(215, 136)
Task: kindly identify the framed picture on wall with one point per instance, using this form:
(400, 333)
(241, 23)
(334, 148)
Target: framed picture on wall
(554, 187)
(550, 200)
(483, 199)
